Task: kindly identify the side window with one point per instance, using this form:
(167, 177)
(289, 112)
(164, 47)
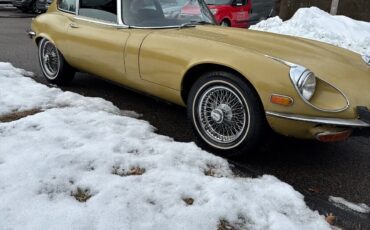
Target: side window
(105, 10)
(67, 5)
(141, 12)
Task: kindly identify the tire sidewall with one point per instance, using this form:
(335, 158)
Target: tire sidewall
(42, 44)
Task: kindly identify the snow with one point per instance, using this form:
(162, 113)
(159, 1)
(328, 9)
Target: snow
(78, 146)
(313, 23)
(342, 203)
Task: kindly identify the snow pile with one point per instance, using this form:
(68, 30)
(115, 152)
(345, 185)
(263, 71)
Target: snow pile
(78, 163)
(313, 23)
(342, 203)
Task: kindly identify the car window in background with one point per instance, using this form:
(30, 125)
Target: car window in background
(164, 13)
(105, 10)
(67, 5)
(262, 9)
(218, 2)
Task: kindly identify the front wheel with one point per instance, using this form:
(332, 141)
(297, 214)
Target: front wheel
(53, 65)
(225, 113)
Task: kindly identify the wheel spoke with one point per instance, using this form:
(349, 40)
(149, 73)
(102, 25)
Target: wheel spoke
(222, 114)
(49, 59)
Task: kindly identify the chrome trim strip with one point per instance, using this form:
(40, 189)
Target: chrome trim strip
(156, 27)
(289, 64)
(321, 120)
(82, 18)
(312, 105)
(336, 110)
(119, 13)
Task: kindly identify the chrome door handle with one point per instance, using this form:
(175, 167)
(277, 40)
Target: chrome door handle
(73, 25)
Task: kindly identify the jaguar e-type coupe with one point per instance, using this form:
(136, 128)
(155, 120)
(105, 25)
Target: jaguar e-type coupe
(234, 82)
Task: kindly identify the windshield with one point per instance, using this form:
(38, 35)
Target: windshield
(218, 2)
(165, 13)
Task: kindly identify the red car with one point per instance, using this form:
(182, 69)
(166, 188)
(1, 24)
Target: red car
(234, 13)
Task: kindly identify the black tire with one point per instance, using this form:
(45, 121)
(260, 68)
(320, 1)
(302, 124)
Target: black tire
(53, 65)
(225, 23)
(212, 114)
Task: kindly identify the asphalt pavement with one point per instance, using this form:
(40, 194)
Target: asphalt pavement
(315, 169)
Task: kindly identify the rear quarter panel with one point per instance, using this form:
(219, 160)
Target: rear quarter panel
(53, 26)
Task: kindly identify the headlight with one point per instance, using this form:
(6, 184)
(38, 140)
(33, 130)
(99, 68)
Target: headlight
(214, 11)
(304, 81)
(366, 58)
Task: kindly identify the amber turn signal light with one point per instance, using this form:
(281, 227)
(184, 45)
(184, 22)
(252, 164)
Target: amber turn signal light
(281, 100)
(334, 136)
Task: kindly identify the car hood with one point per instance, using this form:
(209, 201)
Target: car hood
(340, 67)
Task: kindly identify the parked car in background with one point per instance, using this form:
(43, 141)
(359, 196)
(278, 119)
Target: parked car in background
(5, 2)
(234, 13)
(262, 9)
(26, 5)
(43, 5)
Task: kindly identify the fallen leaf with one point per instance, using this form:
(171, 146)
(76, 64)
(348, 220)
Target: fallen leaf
(330, 218)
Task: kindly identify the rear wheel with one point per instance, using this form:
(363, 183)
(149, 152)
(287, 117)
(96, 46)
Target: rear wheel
(225, 113)
(225, 23)
(53, 65)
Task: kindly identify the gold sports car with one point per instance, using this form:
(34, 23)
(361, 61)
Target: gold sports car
(234, 82)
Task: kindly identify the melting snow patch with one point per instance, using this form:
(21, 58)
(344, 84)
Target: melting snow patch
(80, 164)
(342, 203)
(313, 23)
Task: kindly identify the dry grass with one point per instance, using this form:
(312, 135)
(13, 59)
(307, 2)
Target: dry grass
(18, 115)
(188, 200)
(134, 171)
(210, 170)
(330, 218)
(81, 195)
(225, 225)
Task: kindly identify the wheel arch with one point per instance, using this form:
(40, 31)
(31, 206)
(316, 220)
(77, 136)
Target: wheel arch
(193, 74)
(226, 19)
(43, 36)
(38, 40)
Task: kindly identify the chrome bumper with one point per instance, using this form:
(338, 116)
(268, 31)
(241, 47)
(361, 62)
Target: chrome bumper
(31, 34)
(355, 123)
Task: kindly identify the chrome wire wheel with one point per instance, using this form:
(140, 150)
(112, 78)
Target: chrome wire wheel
(222, 115)
(49, 59)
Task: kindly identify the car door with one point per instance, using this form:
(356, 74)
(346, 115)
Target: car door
(240, 11)
(96, 39)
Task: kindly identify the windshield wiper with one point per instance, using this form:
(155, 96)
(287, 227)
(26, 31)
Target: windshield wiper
(193, 24)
